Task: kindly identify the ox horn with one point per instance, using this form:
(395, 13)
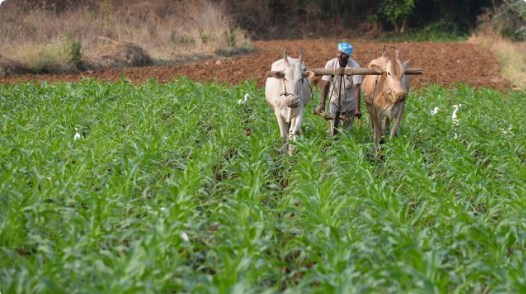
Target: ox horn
(301, 56)
(384, 53)
(396, 51)
(285, 57)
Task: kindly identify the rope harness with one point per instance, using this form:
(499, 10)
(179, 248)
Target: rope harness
(346, 117)
(285, 93)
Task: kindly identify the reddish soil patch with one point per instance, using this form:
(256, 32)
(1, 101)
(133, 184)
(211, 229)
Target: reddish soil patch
(442, 63)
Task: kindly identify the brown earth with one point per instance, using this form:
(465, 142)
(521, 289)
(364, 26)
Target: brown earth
(442, 63)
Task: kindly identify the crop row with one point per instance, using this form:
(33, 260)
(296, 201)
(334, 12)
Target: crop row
(177, 187)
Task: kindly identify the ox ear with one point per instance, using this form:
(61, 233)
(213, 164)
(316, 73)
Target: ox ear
(308, 74)
(275, 74)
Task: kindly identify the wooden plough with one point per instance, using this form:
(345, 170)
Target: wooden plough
(352, 71)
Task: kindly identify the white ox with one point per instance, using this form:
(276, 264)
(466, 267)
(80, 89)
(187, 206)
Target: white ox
(385, 94)
(287, 91)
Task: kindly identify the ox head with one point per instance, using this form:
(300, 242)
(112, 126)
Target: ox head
(396, 83)
(292, 73)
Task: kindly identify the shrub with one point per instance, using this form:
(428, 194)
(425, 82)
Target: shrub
(510, 19)
(49, 58)
(74, 50)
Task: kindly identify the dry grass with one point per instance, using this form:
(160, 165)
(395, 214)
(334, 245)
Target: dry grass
(50, 57)
(510, 55)
(167, 30)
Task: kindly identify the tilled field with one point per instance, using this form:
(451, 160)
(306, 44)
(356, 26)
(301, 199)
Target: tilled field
(442, 63)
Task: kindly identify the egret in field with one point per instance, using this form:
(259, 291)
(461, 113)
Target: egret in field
(244, 100)
(184, 236)
(435, 110)
(508, 131)
(454, 118)
(77, 135)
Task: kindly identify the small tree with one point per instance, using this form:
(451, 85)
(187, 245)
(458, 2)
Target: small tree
(510, 19)
(73, 50)
(396, 12)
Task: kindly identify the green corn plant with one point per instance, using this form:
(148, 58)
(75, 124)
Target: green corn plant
(177, 187)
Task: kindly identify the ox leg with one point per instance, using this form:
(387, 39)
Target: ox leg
(283, 126)
(293, 135)
(295, 129)
(287, 146)
(387, 123)
(398, 119)
(377, 126)
(370, 111)
(385, 130)
(375, 122)
(283, 129)
(295, 126)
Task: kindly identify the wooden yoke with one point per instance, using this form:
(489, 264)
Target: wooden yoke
(357, 71)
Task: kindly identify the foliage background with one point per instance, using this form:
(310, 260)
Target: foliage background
(264, 19)
(57, 36)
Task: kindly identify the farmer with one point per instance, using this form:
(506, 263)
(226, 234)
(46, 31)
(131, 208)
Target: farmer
(344, 101)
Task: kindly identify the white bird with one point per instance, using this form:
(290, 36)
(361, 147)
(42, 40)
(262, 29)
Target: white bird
(508, 131)
(244, 100)
(184, 236)
(454, 115)
(77, 135)
(435, 110)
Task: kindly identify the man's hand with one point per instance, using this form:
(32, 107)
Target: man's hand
(320, 109)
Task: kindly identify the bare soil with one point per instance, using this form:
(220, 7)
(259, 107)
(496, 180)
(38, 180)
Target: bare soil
(442, 63)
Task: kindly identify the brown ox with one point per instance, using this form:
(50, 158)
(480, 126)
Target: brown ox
(385, 94)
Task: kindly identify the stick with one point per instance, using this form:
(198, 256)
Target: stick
(358, 71)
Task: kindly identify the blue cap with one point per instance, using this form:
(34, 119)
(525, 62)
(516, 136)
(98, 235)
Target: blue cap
(345, 48)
